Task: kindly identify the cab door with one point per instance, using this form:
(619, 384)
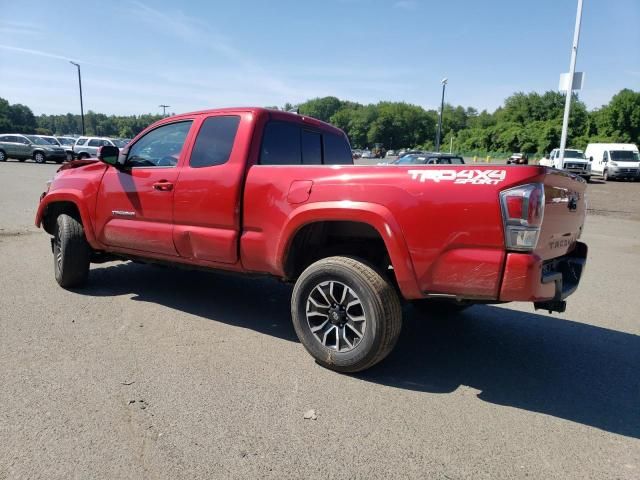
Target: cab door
(134, 208)
(208, 194)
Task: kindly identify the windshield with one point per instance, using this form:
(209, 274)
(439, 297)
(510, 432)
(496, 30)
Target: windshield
(66, 141)
(37, 140)
(410, 159)
(574, 154)
(119, 143)
(624, 156)
(51, 140)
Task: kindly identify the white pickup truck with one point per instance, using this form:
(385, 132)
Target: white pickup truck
(574, 162)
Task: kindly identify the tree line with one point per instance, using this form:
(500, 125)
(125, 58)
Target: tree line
(526, 122)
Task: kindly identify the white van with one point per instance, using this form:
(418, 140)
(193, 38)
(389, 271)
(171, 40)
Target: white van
(614, 160)
(574, 161)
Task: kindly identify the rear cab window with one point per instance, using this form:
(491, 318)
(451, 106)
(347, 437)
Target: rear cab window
(214, 141)
(288, 143)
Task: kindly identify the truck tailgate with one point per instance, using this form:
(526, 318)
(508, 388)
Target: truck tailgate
(564, 214)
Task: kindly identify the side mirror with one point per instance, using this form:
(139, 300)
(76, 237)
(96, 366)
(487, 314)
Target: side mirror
(109, 155)
(591, 159)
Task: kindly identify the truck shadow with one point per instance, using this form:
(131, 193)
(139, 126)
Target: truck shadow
(550, 365)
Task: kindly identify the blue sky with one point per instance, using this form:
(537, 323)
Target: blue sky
(200, 54)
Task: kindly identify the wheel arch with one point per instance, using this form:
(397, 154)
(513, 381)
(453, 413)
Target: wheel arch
(59, 202)
(364, 220)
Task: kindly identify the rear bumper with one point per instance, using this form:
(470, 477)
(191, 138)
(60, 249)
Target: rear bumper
(527, 278)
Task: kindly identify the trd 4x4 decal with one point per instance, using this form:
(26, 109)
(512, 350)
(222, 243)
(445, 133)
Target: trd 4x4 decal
(475, 177)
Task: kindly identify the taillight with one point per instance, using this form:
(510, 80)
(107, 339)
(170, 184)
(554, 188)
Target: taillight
(522, 212)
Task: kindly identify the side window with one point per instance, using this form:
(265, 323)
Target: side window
(215, 141)
(22, 140)
(457, 161)
(311, 148)
(336, 150)
(94, 142)
(280, 144)
(81, 141)
(160, 147)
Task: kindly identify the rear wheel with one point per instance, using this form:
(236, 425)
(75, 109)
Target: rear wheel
(71, 252)
(39, 157)
(346, 314)
(3, 156)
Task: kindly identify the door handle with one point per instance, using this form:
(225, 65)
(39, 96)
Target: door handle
(163, 186)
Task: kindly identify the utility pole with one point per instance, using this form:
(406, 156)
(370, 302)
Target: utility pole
(80, 85)
(164, 109)
(572, 71)
(444, 84)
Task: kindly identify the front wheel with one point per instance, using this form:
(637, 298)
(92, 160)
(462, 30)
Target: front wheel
(3, 156)
(39, 157)
(605, 175)
(71, 252)
(346, 314)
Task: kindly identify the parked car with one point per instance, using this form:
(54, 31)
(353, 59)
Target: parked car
(367, 154)
(614, 160)
(430, 159)
(67, 143)
(23, 147)
(410, 152)
(390, 153)
(518, 159)
(86, 147)
(191, 191)
(574, 162)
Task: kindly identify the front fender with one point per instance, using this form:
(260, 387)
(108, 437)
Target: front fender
(377, 216)
(70, 196)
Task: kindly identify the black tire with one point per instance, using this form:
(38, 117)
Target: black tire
(71, 252)
(39, 157)
(3, 156)
(83, 155)
(605, 175)
(378, 302)
(439, 307)
(587, 179)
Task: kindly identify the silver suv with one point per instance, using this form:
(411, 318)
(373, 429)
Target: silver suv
(86, 147)
(23, 147)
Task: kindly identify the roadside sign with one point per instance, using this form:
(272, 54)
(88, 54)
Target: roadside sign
(563, 86)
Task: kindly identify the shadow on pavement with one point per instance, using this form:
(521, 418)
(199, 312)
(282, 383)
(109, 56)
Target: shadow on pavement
(551, 365)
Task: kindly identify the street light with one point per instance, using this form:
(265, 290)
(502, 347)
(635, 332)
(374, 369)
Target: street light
(444, 84)
(80, 85)
(570, 86)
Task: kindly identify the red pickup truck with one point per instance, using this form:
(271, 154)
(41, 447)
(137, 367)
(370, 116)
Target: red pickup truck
(260, 191)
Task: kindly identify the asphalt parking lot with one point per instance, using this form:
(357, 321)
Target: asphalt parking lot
(157, 373)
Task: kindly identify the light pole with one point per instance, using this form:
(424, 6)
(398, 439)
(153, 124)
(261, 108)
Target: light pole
(80, 85)
(572, 70)
(444, 84)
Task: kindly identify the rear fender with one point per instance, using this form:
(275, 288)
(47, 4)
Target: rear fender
(377, 216)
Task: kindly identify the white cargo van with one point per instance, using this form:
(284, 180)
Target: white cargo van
(574, 162)
(614, 160)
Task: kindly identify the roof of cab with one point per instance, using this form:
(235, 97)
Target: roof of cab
(259, 111)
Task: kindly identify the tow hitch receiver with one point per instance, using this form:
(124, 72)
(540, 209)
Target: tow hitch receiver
(551, 305)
